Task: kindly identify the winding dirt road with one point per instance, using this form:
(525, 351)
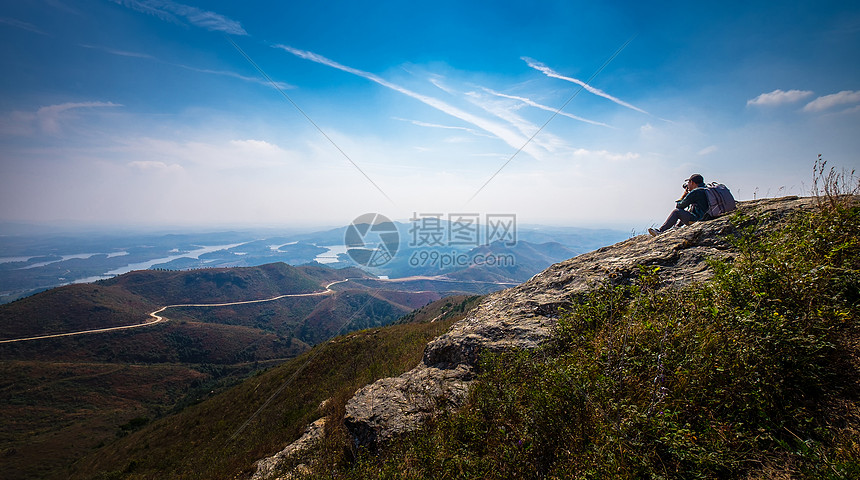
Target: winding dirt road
(156, 318)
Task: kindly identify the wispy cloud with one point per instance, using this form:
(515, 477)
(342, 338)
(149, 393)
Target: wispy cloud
(596, 91)
(445, 127)
(502, 132)
(605, 155)
(503, 110)
(778, 97)
(437, 81)
(59, 5)
(179, 13)
(225, 73)
(47, 119)
(203, 155)
(22, 25)
(845, 97)
(155, 166)
(544, 107)
(121, 53)
(708, 150)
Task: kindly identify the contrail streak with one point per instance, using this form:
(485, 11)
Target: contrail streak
(551, 73)
(544, 107)
(287, 97)
(556, 113)
(500, 131)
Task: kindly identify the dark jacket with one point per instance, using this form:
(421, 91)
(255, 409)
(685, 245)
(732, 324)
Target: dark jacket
(698, 199)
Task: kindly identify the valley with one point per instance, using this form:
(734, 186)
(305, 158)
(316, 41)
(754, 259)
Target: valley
(85, 364)
(92, 348)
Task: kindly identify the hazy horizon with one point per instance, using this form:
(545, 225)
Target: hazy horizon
(72, 228)
(174, 114)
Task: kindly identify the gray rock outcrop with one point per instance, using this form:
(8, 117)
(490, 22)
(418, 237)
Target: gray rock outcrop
(523, 317)
(268, 467)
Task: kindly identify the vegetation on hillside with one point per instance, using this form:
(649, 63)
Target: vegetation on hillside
(72, 308)
(63, 397)
(129, 298)
(223, 436)
(217, 284)
(54, 413)
(449, 307)
(755, 374)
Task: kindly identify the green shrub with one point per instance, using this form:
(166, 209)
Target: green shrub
(752, 374)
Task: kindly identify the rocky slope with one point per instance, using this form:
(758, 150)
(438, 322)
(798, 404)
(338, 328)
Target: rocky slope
(523, 318)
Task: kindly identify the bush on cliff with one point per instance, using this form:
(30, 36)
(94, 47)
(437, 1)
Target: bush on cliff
(753, 374)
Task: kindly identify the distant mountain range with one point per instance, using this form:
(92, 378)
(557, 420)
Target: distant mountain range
(33, 260)
(62, 397)
(116, 379)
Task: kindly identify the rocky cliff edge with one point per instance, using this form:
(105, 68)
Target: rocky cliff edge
(522, 317)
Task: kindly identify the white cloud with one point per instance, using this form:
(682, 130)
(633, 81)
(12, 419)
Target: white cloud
(121, 53)
(22, 25)
(258, 147)
(779, 97)
(207, 155)
(156, 166)
(46, 119)
(445, 127)
(596, 91)
(506, 112)
(853, 109)
(544, 107)
(845, 97)
(606, 156)
(225, 73)
(708, 150)
(436, 80)
(172, 12)
(505, 134)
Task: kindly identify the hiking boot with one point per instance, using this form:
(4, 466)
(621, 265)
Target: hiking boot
(654, 232)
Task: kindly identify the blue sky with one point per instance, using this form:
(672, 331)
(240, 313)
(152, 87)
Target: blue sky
(223, 113)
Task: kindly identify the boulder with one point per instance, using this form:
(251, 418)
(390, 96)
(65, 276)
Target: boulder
(268, 467)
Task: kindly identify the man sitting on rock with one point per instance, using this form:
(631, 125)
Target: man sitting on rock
(695, 196)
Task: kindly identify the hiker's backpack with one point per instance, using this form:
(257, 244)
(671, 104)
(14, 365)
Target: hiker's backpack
(720, 199)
